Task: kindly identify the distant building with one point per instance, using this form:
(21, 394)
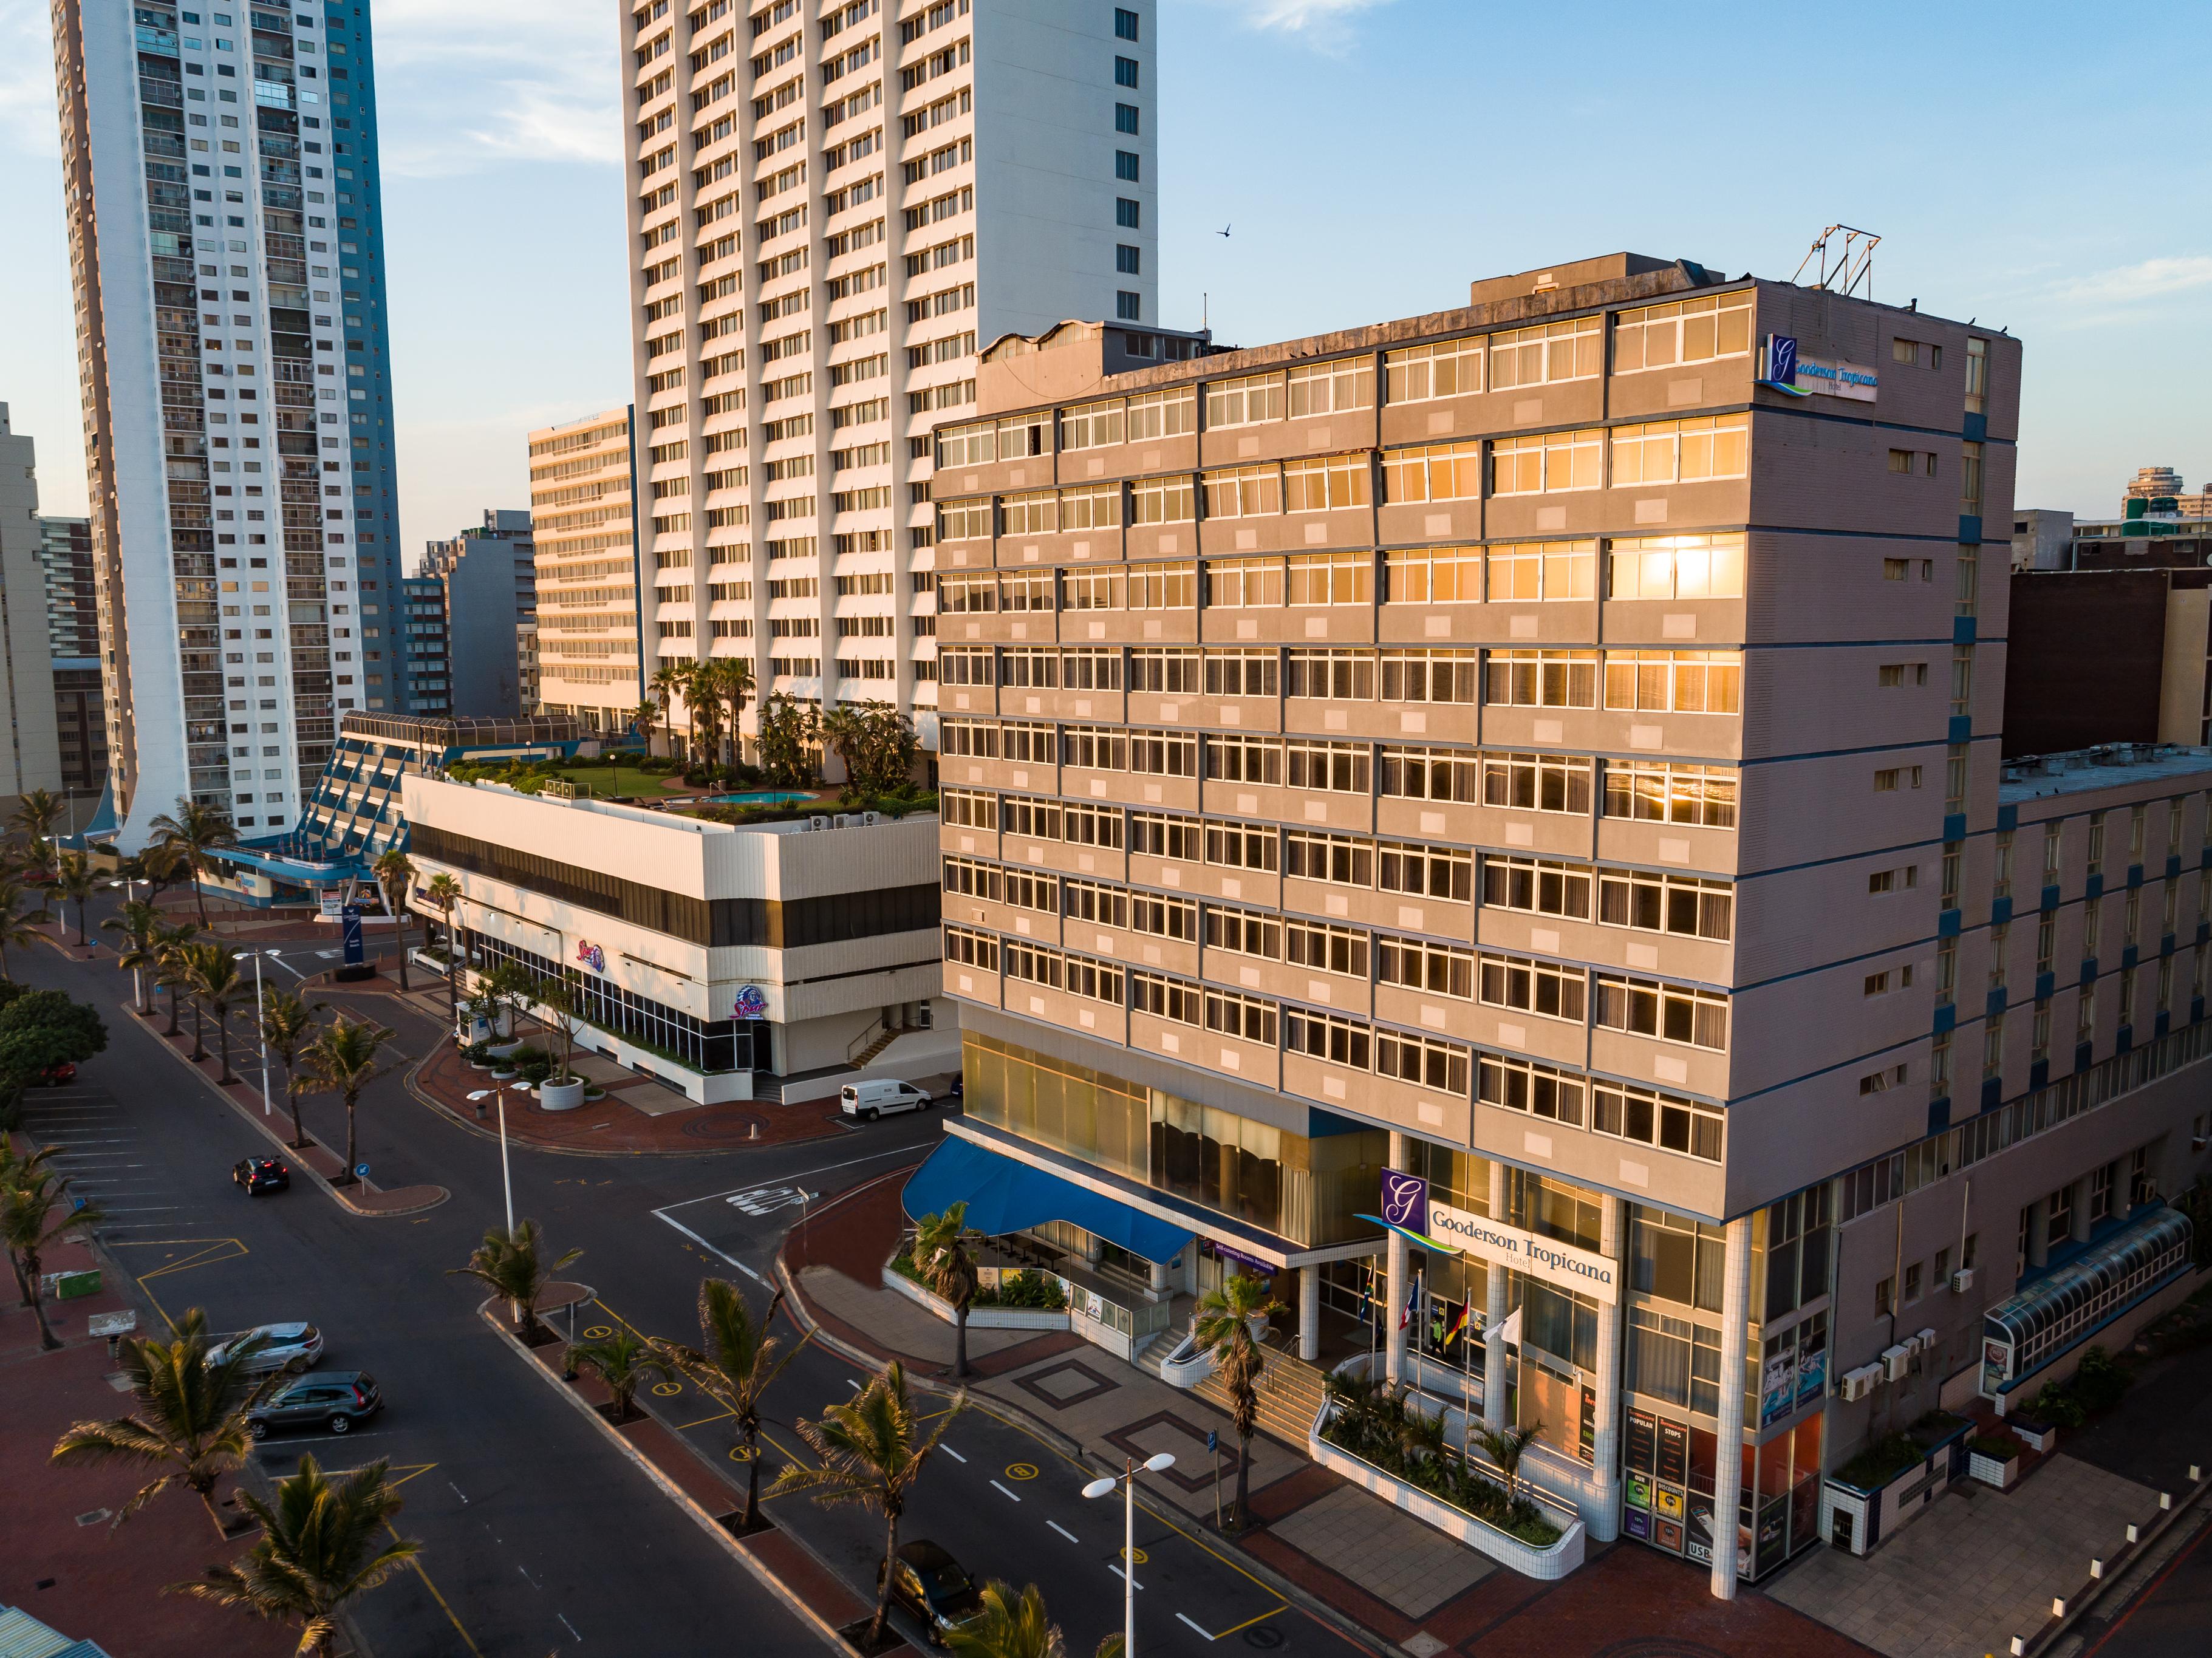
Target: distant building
(81, 726)
(2041, 537)
(426, 685)
(2160, 489)
(526, 662)
(2109, 655)
(584, 525)
(72, 599)
(489, 579)
(28, 756)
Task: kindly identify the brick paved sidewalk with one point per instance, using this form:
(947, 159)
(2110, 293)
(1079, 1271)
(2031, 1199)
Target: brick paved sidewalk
(59, 1559)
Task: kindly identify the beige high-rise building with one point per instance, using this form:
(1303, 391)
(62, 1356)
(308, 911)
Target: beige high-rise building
(834, 205)
(587, 661)
(30, 755)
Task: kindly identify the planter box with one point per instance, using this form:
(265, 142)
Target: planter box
(1991, 1471)
(1547, 1564)
(2036, 1436)
(427, 962)
(979, 1318)
(561, 1097)
(1870, 1517)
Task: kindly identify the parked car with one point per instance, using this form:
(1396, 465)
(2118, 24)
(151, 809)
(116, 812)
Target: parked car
(931, 1584)
(55, 1075)
(338, 1400)
(880, 1097)
(260, 1174)
(291, 1347)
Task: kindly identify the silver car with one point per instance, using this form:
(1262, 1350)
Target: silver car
(291, 1347)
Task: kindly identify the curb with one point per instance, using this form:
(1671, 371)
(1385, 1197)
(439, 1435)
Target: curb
(684, 1500)
(1014, 1416)
(276, 1138)
(2084, 1601)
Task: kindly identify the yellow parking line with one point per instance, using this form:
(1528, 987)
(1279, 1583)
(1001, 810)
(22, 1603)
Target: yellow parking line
(205, 1255)
(1224, 1635)
(718, 1416)
(460, 1628)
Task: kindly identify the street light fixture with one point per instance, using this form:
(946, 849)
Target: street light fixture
(1104, 1487)
(131, 896)
(259, 1028)
(504, 1180)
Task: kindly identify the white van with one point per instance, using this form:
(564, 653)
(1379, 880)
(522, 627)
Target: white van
(879, 1096)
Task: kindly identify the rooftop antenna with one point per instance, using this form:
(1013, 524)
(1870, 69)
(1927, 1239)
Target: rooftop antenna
(1842, 269)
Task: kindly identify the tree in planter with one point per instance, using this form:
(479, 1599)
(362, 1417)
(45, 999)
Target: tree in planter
(515, 1269)
(872, 1451)
(395, 879)
(623, 1363)
(560, 998)
(735, 1369)
(29, 1225)
(195, 831)
(1504, 1447)
(136, 926)
(445, 892)
(190, 1419)
(286, 1021)
(790, 737)
(342, 1060)
(16, 928)
(320, 1548)
(513, 987)
(1223, 1330)
(76, 882)
(1010, 1625)
(942, 1260)
(212, 976)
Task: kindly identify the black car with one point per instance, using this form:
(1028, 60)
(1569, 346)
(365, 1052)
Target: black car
(930, 1583)
(260, 1174)
(332, 1400)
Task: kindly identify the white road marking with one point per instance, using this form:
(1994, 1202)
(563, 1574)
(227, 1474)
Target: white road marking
(458, 1492)
(950, 1452)
(147, 1209)
(761, 1200)
(662, 1214)
(565, 1624)
(527, 1578)
(1180, 1619)
(1063, 1531)
(1003, 1493)
(1118, 1572)
(894, 1152)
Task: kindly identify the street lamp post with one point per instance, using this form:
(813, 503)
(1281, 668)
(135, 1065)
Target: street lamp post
(504, 1180)
(131, 896)
(1104, 1487)
(260, 1027)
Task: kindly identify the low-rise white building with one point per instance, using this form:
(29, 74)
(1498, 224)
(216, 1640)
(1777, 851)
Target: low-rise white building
(709, 953)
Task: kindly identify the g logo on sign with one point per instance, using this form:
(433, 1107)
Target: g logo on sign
(1405, 1199)
(1782, 358)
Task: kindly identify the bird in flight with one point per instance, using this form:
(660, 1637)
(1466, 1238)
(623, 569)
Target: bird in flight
(1223, 231)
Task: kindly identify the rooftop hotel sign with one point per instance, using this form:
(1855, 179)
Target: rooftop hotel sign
(1409, 1211)
(1783, 370)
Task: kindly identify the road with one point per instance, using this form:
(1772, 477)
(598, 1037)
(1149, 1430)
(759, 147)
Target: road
(538, 1536)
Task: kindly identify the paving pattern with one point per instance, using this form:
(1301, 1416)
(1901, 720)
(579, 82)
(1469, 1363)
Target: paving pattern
(1396, 1559)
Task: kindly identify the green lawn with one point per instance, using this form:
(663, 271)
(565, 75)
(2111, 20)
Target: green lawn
(621, 780)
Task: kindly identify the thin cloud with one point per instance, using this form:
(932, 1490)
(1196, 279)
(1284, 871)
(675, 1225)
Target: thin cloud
(1325, 25)
(530, 80)
(2134, 284)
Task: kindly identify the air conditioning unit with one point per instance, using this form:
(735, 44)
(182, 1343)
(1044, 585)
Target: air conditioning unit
(817, 823)
(1858, 1384)
(1896, 1361)
(847, 820)
(1923, 1341)
(869, 819)
(1962, 1280)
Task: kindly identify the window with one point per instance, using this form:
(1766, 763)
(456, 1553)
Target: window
(1337, 860)
(1163, 415)
(1681, 451)
(1666, 792)
(1440, 575)
(1532, 782)
(1885, 1297)
(1546, 570)
(1240, 674)
(1335, 768)
(1125, 118)
(1243, 933)
(1326, 388)
(1129, 306)
(1128, 214)
(1970, 479)
(1128, 261)
(1331, 578)
(1247, 402)
(1537, 886)
(1552, 351)
(1099, 507)
(1033, 513)
(1687, 331)
(1425, 872)
(1530, 987)
(1429, 775)
(1125, 23)
(1125, 166)
(1439, 472)
(1418, 676)
(1422, 1061)
(1542, 679)
(1548, 463)
(1892, 675)
(974, 445)
(1242, 583)
(1421, 373)
(1883, 881)
(1678, 567)
(1912, 1283)
(1163, 499)
(1993, 1046)
(1337, 675)
(1338, 1041)
(1683, 682)
(1978, 376)
(1244, 759)
(1538, 1089)
(1890, 778)
(1125, 74)
(1681, 904)
(1325, 949)
(1334, 481)
(1244, 492)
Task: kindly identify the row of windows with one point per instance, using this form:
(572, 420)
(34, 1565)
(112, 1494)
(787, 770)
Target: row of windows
(1657, 337)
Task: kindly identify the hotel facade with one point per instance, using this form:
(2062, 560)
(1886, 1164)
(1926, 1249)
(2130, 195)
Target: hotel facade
(1532, 772)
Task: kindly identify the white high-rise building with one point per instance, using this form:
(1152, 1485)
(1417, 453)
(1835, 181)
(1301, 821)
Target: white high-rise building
(832, 207)
(226, 249)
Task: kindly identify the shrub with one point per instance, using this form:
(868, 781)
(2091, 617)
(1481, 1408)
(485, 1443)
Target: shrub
(2056, 1404)
(1027, 1289)
(1379, 1425)
(1999, 1447)
(1881, 1461)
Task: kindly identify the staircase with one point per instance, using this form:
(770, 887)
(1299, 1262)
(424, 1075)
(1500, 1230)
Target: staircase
(859, 1057)
(1290, 1394)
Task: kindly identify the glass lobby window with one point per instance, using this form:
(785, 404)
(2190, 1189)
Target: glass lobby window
(1163, 499)
(1550, 351)
(1437, 472)
(1686, 331)
(1243, 491)
(1315, 486)
(964, 521)
(1420, 372)
(1542, 679)
(1678, 567)
(1093, 425)
(1097, 506)
(1324, 388)
(1664, 791)
(1681, 682)
(1542, 570)
(1243, 583)
(1332, 577)
(1548, 463)
(1418, 675)
(1681, 451)
(974, 445)
(1032, 513)
(1435, 575)
(1246, 401)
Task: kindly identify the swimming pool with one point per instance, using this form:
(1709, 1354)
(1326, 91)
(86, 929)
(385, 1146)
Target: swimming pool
(768, 797)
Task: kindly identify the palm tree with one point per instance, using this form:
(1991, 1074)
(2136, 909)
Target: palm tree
(729, 679)
(190, 1420)
(28, 1226)
(135, 926)
(342, 1060)
(163, 864)
(211, 973)
(515, 1269)
(395, 873)
(318, 1550)
(641, 719)
(667, 685)
(34, 819)
(169, 944)
(285, 1022)
(1504, 1446)
(16, 1167)
(1010, 1625)
(736, 1368)
(943, 1261)
(623, 1362)
(195, 830)
(75, 880)
(872, 1452)
(1223, 1330)
(703, 698)
(443, 891)
(16, 927)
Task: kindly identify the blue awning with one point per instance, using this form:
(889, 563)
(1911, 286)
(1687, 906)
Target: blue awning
(1003, 1195)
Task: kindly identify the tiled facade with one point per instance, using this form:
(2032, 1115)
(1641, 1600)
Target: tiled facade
(589, 590)
(1529, 747)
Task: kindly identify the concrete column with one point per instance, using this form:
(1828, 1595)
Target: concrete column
(1159, 1276)
(1606, 1445)
(1309, 1311)
(1091, 1250)
(2081, 1231)
(1493, 1343)
(1397, 1283)
(1727, 1470)
(2038, 1227)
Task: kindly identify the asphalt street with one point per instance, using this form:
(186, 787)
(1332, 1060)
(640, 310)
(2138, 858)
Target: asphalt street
(538, 1536)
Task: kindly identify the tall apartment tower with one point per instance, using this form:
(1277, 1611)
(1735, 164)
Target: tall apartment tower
(588, 593)
(1531, 772)
(832, 206)
(488, 577)
(30, 756)
(73, 641)
(226, 249)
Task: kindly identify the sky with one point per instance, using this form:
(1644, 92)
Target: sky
(1369, 158)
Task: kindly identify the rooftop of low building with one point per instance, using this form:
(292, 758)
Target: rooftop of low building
(2108, 765)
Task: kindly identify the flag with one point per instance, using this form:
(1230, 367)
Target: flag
(1455, 1327)
(1510, 1330)
(1412, 1300)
